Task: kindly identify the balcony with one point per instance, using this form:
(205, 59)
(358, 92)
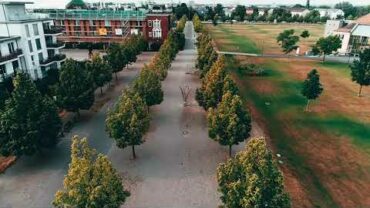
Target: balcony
(11, 56)
(50, 60)
(57, 45)
(53, 30)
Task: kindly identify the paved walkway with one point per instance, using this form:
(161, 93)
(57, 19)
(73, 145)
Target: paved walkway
(340, 59)
(32, 181)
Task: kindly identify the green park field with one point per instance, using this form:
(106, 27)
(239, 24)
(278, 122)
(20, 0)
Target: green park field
(260, 38)
(325, 153)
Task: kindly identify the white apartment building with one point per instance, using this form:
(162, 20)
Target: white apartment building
(355, 35)
(331, 13)
(27, 42)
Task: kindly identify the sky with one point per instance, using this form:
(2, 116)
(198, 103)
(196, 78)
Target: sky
(62, 3)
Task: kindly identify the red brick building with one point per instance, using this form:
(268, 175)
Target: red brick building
(106, 26)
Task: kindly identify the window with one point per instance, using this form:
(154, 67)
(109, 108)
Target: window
(30, 46)
(107, 23)
(38, 44)
(157, 33)
(27, 31)
(157, 23)
(11, 47)
(15, 65)
(36, 73)
(2, 70)
(35, 29)
(33, 60)
(150, 34)
(41, 57)
(149, 23)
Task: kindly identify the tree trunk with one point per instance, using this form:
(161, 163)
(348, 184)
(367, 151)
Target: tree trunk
(101, 90)
(133, 151)
(359, 91)
(230, 150)
(308, 105)
(323, 58)
(78, 113)
(116, 76)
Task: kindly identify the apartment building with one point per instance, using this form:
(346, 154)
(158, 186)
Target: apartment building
(355, 35)
(108, 26)
(27, 42)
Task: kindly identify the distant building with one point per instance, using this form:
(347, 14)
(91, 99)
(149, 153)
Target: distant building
(107, 26)
(331, 13)
(27, 42)
(355, 35)
(76, 4)
(302, 12)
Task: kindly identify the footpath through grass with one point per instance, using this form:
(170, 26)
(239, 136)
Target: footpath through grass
(290, 128)
(239, 42)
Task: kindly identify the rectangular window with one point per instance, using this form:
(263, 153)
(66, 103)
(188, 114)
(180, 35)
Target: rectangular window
(35, 29)
(27, 31)
(41, 57)
(30, 46)
(150, 23)
(33, 60)
(150, 34)
(2, 70)
(15, 65)
(38, 44)
(11, 47)
(107, 23)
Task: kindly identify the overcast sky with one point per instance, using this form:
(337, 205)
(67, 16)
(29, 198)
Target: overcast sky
(62, 3)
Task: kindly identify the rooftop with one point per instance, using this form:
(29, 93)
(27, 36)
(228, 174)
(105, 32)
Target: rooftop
(16, 2)
(364, 20)
(95, 14)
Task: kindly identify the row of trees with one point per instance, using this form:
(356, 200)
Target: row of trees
(29, 120)
(288, 40)
(228, 121)
(91, 180)
(181, 24)
(252, 177)
(197, 23)
(129, 120)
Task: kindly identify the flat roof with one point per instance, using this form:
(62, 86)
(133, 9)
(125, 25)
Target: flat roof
(16, 2)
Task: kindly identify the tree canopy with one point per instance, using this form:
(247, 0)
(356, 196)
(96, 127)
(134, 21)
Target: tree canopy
(230, 123)
(328, 45)
(100, 71)
(75, 89)
(252, 179)
(312, 87)
(128, 121)
(288, 41)
(29, 121)
(91, 180)
(149, 87)
(360, 70)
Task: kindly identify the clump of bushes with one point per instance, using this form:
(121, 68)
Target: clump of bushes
(251, 70)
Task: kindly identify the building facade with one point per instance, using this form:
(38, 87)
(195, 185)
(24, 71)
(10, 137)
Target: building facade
(355, 35)
(28, 42)
(108, 26)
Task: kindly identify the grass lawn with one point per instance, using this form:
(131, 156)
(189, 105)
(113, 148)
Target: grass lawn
(326, 152)
(260, 38)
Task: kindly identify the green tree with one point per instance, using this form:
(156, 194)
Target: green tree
(149, 87)
(181, 10)
(100, 71)
(128, 121)
(29, 121)
(305, 34)
(360, 70)
(230, 123)
(239, 12)
(288, 41)
(327, 45)
(252, 179)
(197, 23)
(75, 89)
(211, 91)
(91, 180)
(312, 87)
(348, 9)
(117, 58)
(181, 24)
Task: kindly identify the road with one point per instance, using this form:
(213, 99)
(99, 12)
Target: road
(32, 181)
(341, 59)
